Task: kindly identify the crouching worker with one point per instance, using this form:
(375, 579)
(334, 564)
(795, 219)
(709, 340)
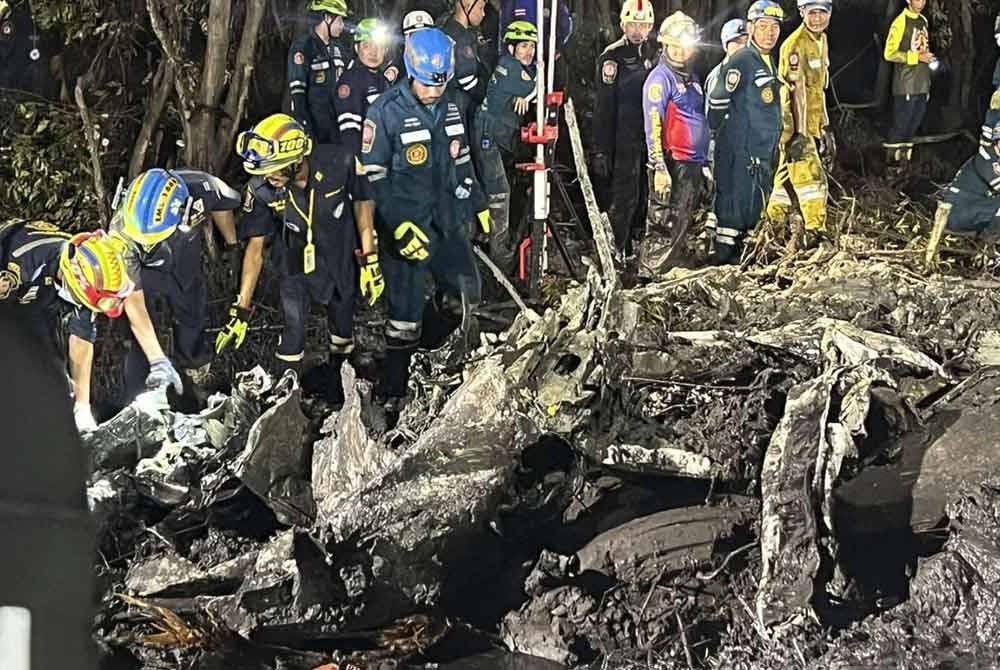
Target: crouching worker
(970, 205)
(497, 126)
(416, 152)
(312, 205)
(57, 278)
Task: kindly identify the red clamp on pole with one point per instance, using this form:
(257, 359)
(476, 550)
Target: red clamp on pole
(529, 167)
(522, 265)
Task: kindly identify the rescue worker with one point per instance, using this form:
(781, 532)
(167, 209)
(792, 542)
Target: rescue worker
(800, 182)
(315, 64)
(417, 157)
(312, 204)
(745, 112)
(619, 140)
(970, 205)
(160, 220)
(59, 277)
(363, 81)
(677, 144)
(908, 47)
(993, 113)
(527, 10)
(733, 37)
(416, 20)
(496, 130)
(462, 27)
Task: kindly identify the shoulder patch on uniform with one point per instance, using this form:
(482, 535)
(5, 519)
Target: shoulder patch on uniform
(391, 73)
(368, 137)
(767, 95)
(609, 71)
(455, 148)
(344, 91)
(299, 58)
(732, 79)
(655, 92)
(468, 51)
(416, 154)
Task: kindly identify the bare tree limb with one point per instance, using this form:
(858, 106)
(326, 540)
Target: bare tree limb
(239, 86)
(95, 155)
(163, 83)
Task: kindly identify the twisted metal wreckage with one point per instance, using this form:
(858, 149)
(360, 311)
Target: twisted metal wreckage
(598, 482)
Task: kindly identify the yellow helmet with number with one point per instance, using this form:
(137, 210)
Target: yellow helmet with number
(93, 268)
(274, 144)
(679, 30)
(637, 11)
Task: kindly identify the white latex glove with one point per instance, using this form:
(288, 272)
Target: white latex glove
(84, 417)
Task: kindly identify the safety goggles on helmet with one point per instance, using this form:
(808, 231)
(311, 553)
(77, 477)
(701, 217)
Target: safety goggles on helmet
(765, 9)
(521, 31)
(430, 57)
(275, 143)
(93, 269)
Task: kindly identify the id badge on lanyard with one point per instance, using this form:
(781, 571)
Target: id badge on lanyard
(309, 252)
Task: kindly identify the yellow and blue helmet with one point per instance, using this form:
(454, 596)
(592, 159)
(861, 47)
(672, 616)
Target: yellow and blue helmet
(275, 143)
(155, 205)
(93, 269)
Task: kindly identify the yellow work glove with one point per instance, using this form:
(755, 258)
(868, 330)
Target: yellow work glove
(235, 331)
(662, 181)
(995, 99)
(411, 241)
(484, 221)
(372, 283)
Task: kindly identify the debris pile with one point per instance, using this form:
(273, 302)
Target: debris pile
(677, 475)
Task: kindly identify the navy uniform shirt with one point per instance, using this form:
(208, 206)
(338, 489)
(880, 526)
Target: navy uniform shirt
(621, 71)
(419, 162)
(180, 254)
(496, 120)
(470, 73)
(359, 87)
(335, 182)
(745, 105)
(29, 253)
(313, 71)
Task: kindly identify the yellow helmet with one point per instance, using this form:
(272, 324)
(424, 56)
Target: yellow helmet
(273, 144)
(637, 11)
(93, 268)
(679, 30)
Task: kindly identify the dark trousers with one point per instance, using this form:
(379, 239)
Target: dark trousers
(629, 192)
(491, 164)
(743, 186)
(669, 216)
(907, 115)
(187, 299)
(298, 293)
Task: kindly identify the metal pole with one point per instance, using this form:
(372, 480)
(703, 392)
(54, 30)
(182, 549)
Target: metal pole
(540, 189)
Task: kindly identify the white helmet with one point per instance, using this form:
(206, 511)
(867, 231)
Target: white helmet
(636, 11)
(417, 20)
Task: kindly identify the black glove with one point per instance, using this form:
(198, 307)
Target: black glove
(602, 165)
(795, 150)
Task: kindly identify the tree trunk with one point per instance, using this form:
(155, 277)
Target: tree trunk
(163, 84)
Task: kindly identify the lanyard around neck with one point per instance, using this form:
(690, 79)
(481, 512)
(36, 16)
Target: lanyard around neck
(308, 218)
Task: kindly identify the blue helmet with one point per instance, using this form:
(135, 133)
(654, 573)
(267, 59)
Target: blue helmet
(765, 9)
(155, 205)
(733, 29)
(430, 57)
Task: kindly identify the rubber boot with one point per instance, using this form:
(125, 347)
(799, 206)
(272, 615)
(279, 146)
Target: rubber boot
(442, 315)
(281, 366)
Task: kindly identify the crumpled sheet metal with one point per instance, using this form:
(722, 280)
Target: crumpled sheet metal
(134, 433)
(807, 450)
(347, 458)
(436, 498)
(275, 463)
(658, 459)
